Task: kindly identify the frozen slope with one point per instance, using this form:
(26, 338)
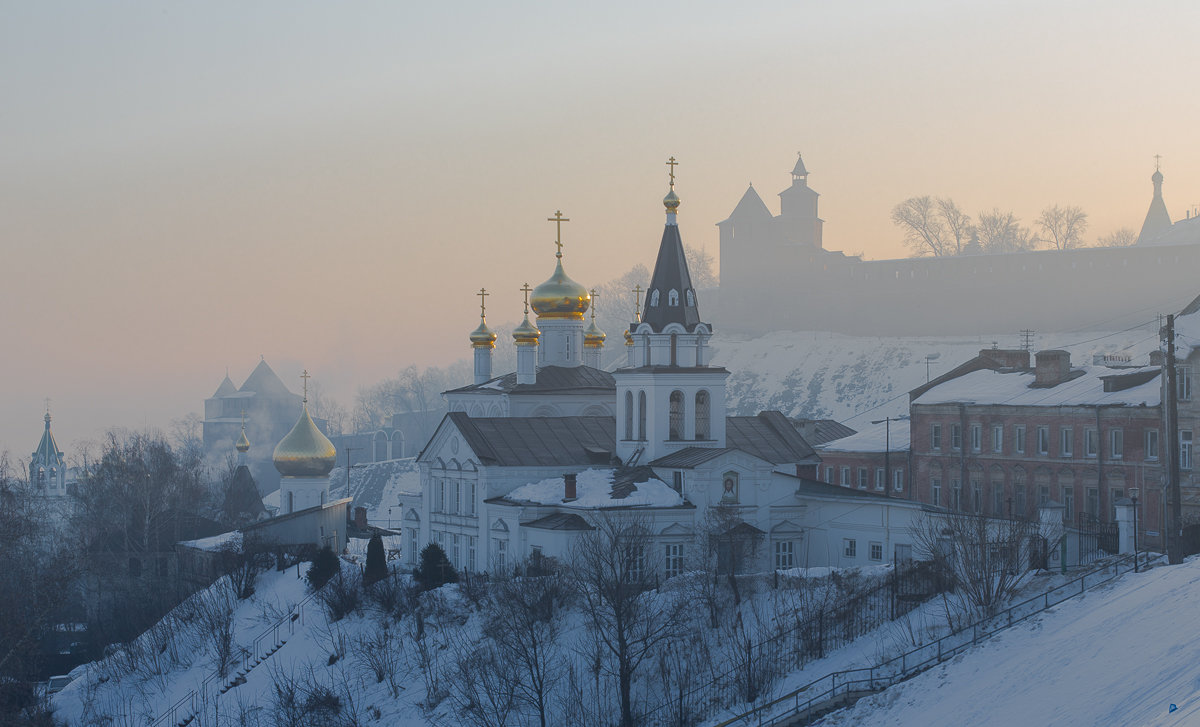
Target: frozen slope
(1118, 656)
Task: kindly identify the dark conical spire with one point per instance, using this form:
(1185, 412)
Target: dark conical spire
(670, 297)
(799, 172)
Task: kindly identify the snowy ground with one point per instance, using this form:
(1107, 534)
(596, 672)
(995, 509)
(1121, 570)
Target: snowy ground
(1121, 655)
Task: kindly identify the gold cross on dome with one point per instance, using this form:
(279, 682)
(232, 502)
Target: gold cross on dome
(304, 375)
(558, 219)
(483, 294)
(594, 295)
(525, 289)
(1157, 157)
(637, 305)
(672, 164)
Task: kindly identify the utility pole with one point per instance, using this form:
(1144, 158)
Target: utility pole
(1026, 339)
(348, 449)
(1175, 542)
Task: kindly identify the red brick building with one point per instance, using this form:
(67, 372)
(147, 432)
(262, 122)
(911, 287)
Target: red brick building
(878, 459)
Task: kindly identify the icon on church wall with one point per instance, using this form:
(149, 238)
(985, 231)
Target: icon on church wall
(729, 487)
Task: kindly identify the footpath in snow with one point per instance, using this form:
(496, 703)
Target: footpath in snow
(1121, 655)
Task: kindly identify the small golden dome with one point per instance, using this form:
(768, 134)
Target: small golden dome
(593, 337)
(628, 337)
(671, 202)
(560, 297)
(526, 332)
(483, 337)
(305, 451)
(242, 444)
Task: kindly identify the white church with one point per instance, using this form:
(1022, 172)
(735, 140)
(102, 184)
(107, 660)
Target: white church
(525, 461)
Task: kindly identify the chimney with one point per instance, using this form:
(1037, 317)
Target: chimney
(360, 518)
(1051, 368)
(1007, 358)
(569, 488)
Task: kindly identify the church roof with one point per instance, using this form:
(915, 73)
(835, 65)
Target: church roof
(559, 521)
(819, 431)
(799, 170)
(751, 205)
(690, 457)
(1157, 220)
(226, 388)
(770, 436)
(265, 382)
(550, 380)
(538, 441)
(671, 274)
(47, 452)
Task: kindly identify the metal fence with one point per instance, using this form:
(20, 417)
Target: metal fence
(841, 688)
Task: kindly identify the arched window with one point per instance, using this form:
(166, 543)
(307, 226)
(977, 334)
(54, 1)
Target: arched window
(291, 503)
(673, 298)
(642, 415)
(702, 415)
(628, 415)
(675, 422)
(380, 453)
(674, 350)
(691, 298)
(397, 444)
(654, 298)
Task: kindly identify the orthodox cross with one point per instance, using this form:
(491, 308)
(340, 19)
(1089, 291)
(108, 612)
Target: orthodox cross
(525, 289)
(1156, 158)
(304, 375)
(637, 305)
(594, 295)
(47, 405)
(558, 219)
(672, 164)
(483, 294)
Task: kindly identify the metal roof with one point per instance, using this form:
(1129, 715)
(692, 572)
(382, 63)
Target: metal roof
(559, 521)
(689, 457)
(671, 273)
(538, 441)
(770, 436)
(550, 380)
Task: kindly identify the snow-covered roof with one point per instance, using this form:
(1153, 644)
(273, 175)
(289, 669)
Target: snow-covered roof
(1014, 389)
(231, 539)
(874, 438)
(593, 489)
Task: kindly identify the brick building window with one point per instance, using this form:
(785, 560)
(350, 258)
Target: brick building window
(1019, 501)
(935, 491)
(956, 437)
(1116, 443)
(1091, 443)
(1019, 438)
(997, 438)
(1152, 444)
(956, 502)
(1068, 496)
(845, 477)
(935, 437)
(1093, 501)
(1043, 440)
(829, 475)
(880, 478)
(1185, 449)
(1066, 443)
(976, 437)
(976, 497)
(997, 500)
(898, 480)
(1183, 382)
(862, 478)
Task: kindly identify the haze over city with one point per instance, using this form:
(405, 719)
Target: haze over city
(184, 189)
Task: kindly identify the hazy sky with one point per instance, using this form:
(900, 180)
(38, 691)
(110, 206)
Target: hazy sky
(184, 187)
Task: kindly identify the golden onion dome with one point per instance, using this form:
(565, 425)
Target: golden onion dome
(593, 337)
(628, 337)
(305, 451)
(526, 332)
(671, 202)
(560, 297)
(483, 337)
(242, 444)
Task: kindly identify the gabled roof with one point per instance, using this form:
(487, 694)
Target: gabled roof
(819, 431)
(225, 389)
(885, 436)
(559, 521)
(750, 205)
(671, 273)
(538, 441)
(770, 436)
(550, 380)
(264, 381)
(690, 457)
(47, 453)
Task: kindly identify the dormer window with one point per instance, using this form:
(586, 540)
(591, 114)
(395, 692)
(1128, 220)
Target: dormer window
(691, 299)
(673, 298)
(654, 298)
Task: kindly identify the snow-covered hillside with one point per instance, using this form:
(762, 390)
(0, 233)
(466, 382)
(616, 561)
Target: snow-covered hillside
(830, 376)
(1121, 655)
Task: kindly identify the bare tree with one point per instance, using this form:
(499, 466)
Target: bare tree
(924, 229)
(700, 267)
(1062, 227)
(959, 229)
(615, 585)
(733, 544)
(1122, 237)
(525, 624)
(1002, 232)
(482, 683)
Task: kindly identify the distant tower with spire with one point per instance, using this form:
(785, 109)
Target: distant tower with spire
(1157, 220)
(47, 466)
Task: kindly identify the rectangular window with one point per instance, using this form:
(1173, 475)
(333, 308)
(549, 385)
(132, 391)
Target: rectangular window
(1019, 501)
(674, 559)
(880, 481)
(1068, 495)
(501, 548)
(862, 478)
(1151, 444)
(935, 492)
(455, 551)
(935, 437)
(829, 475)
(997, 438)
(1183, 382)
(471, 498)
(898, 480)
(470, 564)
(1185, 449)
(956, 494)
(1093, 501)
(1116, 443)
(956, 437)
(877, 551)
(677, 481)
(439, 496)
(1066, 439)
(785, 556)
(1114, 494)
(1091, 443)
(976, 497)
(457, 502)
(414, 544)
(845, 477)
(997, 500)
(849, 547)
(976, 437)
(1043, 494)
(1043, 440)
(1019, 438)
(637, 562)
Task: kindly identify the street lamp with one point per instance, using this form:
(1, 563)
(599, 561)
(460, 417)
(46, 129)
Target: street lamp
(887, 452)
(1133, 493)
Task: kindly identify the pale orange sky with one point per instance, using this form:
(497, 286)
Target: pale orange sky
(185, 188)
